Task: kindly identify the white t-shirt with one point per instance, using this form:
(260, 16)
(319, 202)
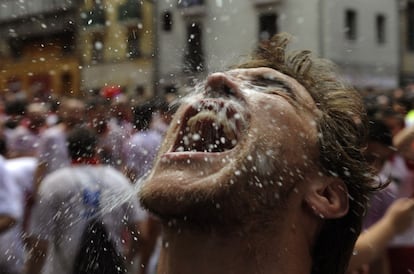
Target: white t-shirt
(22, 170)
(69, 197)
(53, 149)
(11, 249)
(23, 142)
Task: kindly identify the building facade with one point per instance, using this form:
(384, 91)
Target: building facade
(407, 41)
(147, 47)
(196, 37)
(116, 44)
(76, 47)
(37, 47)
(363, 38)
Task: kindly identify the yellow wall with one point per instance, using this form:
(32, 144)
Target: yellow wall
(47, 61)
(116, 33)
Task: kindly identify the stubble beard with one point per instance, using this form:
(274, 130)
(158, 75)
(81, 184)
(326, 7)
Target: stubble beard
(240, 197)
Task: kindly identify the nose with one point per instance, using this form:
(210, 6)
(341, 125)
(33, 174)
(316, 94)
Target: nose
(221, 83)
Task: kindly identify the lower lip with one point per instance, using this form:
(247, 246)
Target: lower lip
(186, 155)
(192, 155)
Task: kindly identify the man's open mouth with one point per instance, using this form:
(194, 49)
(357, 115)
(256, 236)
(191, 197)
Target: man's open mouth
(210, 126)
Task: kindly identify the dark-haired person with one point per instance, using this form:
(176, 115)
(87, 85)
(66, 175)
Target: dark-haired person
(24, 140)
(387, 216)
(142, 147)
(69, 197)
(140, 151)
(111, 137)
(262, 170)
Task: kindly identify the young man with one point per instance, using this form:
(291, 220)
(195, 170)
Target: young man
(69, 197)
(262, 170)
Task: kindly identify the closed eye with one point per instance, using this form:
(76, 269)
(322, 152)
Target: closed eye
(272, 86)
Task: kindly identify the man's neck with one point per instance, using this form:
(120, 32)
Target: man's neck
(186, 252)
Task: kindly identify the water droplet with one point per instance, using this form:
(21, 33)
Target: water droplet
(196, 137)
(98, 45)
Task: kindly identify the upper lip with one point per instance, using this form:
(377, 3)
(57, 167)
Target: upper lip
(210, 125)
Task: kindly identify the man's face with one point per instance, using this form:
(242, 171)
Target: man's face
(238, 146)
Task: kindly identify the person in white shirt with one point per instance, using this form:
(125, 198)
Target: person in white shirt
(69, 197)
(11, 216)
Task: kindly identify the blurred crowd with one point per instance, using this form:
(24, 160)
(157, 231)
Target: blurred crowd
(33, 145)
(388, 240)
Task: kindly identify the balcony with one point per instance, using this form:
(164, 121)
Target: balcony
(36, 17)
(130, 11)
(93, 17)
(192, 7)
(14, 10)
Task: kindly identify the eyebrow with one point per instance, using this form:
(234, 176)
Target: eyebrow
(277, 82)
(283, 84)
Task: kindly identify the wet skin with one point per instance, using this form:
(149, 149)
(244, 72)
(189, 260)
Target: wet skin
(260, 123)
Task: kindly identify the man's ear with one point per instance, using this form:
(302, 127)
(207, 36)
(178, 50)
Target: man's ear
(328, 198)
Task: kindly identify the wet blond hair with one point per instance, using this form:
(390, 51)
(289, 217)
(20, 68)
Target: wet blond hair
(342, 133)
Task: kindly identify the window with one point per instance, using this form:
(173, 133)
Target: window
(97, 48)
(40, 86)
(68, 42)
(350, 24)
(267, 26)
(380, 28)
(167, 21)
(170, 89)
(139, 91)
(410, 26)
(16, 47)
(190, 3)
(194, 59)
(94, 16)
(67, 83)
(133, 43)
(130, 10)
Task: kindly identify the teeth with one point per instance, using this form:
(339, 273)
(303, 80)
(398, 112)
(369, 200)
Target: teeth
(229, 126)
(211, 126)
(203, 115)
(229, 129)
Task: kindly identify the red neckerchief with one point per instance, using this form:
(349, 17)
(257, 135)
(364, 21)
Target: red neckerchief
(85, 161)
